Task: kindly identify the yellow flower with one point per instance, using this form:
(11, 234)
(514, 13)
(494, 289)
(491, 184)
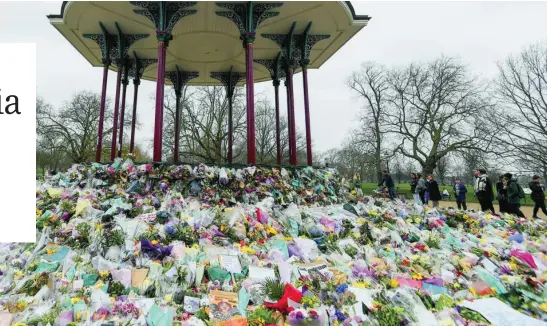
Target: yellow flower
(394, 283)
(288, 238)
(361, 220)
(168, 298)
(74, 300)
(417, 276)
(543, 306)
(99, 226)
(19, 324)
(154, 242)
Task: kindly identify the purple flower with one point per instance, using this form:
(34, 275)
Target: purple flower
(169, 229)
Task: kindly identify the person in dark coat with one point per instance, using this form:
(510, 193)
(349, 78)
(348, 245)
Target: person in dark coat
(413, 185)
(460, 192)
(514, 195)
(538, 196)
(434, 192)
(501, 193)
(484, 190)
(420, 188)
(387, 180)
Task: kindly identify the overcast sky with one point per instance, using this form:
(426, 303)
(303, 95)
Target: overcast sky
(481, 33)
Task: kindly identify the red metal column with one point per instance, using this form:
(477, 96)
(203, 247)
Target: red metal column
(307, 114)
(289, 116)
(134, 117)
(177, 129)
(101, 115)
(277, 129)
(160, 83)
(249, 64)
(116, 108)
(292, 124)
(122, 118)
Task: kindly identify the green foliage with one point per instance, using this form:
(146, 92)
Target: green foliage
(261, 316)
(273, 289)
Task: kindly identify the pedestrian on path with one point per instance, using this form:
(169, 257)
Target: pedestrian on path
(460, 192)
(514, 194)
(538, 196)
(434, 192)
(484, 190)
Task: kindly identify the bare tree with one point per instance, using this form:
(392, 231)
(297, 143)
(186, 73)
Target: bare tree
(371, 83)
(436, 110)
(204, 125)
(73, 128)
(521, 116)
(443, 169)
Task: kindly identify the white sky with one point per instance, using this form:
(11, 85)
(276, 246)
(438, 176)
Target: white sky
(481, 33)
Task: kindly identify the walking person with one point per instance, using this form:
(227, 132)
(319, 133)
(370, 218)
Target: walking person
(434, 192)
(514, 194)
(484, 190)
(460, 192)
(387, 180)
(538, 196)
(501, 189)
(413, 185)
(420, 188)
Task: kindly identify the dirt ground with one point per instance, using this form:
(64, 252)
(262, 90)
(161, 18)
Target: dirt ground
(527, 210)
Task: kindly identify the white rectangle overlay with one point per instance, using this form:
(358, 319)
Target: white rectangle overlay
(17, 142)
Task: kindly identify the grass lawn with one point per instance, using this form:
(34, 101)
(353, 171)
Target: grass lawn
(404, 188)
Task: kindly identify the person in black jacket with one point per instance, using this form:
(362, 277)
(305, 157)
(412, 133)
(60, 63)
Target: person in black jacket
(388, 181)
(413, 184)
(434, 192)
(484, 190)
(501, 189)
(538, 196)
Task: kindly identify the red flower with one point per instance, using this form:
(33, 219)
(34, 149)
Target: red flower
(242, 243)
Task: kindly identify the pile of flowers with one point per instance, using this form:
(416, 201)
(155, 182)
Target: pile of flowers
(180, 245)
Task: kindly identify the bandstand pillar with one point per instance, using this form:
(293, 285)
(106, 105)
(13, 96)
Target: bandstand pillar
(247, 16)
(291, 57)
(105, 42)
(164, 15)
(125, 82)
(306, 43)
(136, 70)
(179, 79)
(229, 80)
(116, 110)
(274, 67)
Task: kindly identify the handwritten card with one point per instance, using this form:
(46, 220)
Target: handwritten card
(261, 273)
(230, 263)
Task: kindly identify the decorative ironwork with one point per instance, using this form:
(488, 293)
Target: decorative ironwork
(247, 16)
(120, 49)
(164, 15)
(274, 67)
(128, 63)
(306, 42)
(180, 78)
(229, 79)
(289, 47)
(296, 48)
(138, 66)
(105, 41)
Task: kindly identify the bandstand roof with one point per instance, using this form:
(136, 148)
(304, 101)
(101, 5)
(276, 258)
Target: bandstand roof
(205, 42)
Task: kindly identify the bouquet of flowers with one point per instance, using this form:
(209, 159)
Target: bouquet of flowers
(304, 317)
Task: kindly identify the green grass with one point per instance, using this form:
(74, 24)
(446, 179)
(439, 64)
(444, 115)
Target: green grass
(404, 188)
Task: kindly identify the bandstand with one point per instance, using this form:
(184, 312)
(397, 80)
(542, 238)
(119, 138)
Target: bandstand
(206, 44)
